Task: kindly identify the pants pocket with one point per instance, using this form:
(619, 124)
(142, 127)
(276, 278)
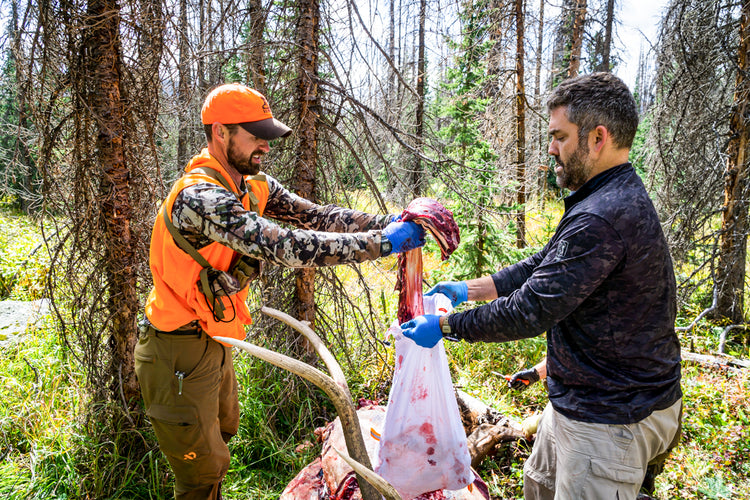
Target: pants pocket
(618, 473)
(178, 431)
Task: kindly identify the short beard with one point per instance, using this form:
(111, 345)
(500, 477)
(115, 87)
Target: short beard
(576, 171)
(244, 166)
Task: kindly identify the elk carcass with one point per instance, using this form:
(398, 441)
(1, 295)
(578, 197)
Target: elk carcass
(330, 477)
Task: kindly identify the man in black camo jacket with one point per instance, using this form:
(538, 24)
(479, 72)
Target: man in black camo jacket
(603, 289)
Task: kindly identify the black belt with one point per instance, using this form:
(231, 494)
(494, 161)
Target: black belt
(148, 329)
(195, 332)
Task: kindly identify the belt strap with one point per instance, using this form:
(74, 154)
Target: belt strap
(150, 330)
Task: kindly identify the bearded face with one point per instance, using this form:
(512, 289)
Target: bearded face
(244, 163)
(573, 169)
(245, 151)
(571, 152)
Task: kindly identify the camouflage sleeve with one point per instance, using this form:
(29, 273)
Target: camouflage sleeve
(286, 206)
(580, 259)
(511, 278)
(205, 213)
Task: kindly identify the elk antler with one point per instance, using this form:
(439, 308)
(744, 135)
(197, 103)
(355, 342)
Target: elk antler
(380, 484)
(333, 366)
(339, 395)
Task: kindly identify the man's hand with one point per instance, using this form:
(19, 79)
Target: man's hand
(457, 291)
(404, 236)
(424, 330)
(521, 380)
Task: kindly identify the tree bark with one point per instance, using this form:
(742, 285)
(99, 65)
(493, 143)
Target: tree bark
(28, 196)
(256, 55)
(520, 128)
(203, 29)
(107, 107)
(184, 84)
(576, 40)
(539, 122)
(734, 227)
(306, 163)
(418, 174)
(607, 48)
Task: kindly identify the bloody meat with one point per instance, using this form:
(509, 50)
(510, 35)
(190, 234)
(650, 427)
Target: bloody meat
(438, 220)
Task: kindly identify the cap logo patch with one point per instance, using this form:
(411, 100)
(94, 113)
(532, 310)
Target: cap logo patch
(266, 107)
(562, 250)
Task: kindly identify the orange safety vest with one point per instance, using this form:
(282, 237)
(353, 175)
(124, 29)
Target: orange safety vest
(177, 297)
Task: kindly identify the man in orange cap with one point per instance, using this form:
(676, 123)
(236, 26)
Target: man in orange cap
(209, 240)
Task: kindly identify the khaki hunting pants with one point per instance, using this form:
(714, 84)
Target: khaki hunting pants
(190, 392)
(574, 460)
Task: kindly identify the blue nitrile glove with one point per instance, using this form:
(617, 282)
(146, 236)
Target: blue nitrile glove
(457, 291)
(424, 330)
(404, 236)
(396, 218)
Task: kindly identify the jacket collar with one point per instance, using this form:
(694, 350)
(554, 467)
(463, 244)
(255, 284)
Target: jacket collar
(594, 184)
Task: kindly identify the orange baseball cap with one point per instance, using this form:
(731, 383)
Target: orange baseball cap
(233, 103)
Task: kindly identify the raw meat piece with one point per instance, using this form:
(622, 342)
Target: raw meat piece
(438, 220)
(307, 484)
(409, 285)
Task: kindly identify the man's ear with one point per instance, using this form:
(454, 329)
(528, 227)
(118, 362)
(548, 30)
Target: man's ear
(598, 138)
(218, 131)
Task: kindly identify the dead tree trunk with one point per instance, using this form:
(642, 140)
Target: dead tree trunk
(734, 227)
(107, 107)
(539, 133)
(203, 32)
(576, 40)
(256, 71)
(418, 174)
(307, 147)
(607, 48)
(520, 128)
(22, 154)
(184, 85)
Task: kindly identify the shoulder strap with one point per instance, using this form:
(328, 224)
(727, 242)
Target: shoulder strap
(216, 306)
(216, 175)
(181, 242)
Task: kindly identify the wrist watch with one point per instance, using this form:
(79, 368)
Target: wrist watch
(386, 247)
(445, 327)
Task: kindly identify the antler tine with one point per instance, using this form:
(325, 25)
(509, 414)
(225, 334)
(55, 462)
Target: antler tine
(341, 400)
(384, 487)
(333, 366)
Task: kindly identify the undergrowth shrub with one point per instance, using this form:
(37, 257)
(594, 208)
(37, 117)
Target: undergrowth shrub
(23, 259)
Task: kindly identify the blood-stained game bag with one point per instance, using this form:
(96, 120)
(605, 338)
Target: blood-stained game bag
(423, 444)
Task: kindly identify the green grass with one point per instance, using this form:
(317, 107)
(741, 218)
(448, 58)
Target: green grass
(23, 259)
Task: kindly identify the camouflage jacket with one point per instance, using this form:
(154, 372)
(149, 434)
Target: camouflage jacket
(205, 213)
(603, 289)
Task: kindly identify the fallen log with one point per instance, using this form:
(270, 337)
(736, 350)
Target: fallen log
(722, 362)
(486, 427)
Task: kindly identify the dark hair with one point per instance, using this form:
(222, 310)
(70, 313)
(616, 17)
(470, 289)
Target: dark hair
(207, 129)
(598, 99)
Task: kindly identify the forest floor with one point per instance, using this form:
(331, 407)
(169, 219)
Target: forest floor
(49, 447)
